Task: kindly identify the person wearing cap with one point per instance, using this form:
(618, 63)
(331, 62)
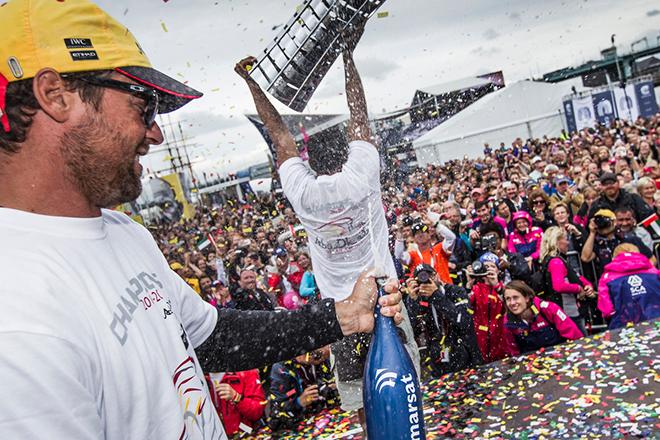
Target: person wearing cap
(538, 166)
(550, 172)
(614, 197)
(116, 340)
(566, 192)
(425, 252)
(220, 296)
(441, 313)
(238, 398)
(285, 275)
(604, 237)
(488, 307)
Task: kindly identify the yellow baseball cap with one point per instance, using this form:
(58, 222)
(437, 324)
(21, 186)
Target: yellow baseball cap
(76, 36)
(607, 213)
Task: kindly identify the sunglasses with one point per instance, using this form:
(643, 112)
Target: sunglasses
(538, 202)
(147, 94)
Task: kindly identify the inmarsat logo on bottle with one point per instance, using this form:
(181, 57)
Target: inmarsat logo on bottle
(413, 408)
(384, 379)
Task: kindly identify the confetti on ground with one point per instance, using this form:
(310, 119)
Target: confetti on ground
(383, 14)
(162, 24)
(603, 387)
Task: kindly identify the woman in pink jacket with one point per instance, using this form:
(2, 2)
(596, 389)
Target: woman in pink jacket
(531, 323)
(563, 284)
(525, 238)
(629, 290)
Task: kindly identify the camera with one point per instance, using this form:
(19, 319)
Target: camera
(424, 273)
(479, 269)
(326, 392)
(603, 222)
(487, 243)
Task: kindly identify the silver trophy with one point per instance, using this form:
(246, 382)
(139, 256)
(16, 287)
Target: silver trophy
(294, 64)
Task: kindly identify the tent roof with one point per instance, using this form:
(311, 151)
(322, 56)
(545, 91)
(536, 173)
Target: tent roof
(518, 102)
(455, 86)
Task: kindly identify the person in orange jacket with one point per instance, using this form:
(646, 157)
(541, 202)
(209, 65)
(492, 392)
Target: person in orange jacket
(488, 306)
(238, 398)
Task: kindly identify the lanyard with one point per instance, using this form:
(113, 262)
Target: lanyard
(421, 258)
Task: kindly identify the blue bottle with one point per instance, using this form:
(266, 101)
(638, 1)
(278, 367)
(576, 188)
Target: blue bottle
(391, 392)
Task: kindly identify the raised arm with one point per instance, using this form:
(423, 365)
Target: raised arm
(358, 124)
(285, 145)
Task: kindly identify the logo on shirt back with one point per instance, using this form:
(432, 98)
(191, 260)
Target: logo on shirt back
(636, 285)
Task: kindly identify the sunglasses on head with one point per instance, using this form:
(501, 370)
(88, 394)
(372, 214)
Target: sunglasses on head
(147, 94)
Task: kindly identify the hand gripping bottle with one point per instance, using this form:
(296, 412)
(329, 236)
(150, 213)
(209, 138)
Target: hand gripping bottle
(392, 397)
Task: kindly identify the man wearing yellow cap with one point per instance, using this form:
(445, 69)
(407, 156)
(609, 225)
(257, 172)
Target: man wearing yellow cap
(604, 237)
(101, 338)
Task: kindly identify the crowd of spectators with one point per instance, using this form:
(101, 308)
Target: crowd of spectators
(497, 256)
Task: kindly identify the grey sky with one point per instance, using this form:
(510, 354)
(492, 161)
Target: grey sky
(420, 43)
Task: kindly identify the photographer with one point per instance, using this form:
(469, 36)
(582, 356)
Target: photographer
(300, 387)
(437, 255)
(604, 237)
(238, 398)
(486, 302)
(441, 311)
(485, 220)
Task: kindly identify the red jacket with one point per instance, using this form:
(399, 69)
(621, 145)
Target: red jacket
(251, 406)
(488, 320)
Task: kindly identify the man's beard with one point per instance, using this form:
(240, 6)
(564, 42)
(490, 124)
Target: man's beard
(105, 177)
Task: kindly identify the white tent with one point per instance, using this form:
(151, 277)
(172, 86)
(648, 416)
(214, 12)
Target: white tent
(523, 109)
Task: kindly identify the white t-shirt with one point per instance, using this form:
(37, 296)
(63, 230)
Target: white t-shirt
(335, 213)
(97, 334)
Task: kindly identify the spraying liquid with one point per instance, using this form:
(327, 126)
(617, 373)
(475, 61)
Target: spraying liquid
(379, 264)
(391, 392)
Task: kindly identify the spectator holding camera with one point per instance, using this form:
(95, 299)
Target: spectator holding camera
(531, 324)
(238, 398)
(440, 310)
(435, 255)
(487, 305)
(301, 387)
(563, 285)
(604, 237)
(484, 220)
(629, 290)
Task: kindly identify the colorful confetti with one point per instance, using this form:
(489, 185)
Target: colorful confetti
(603, 387)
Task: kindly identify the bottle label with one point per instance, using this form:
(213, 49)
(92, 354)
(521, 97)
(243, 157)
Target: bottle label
(413, 405)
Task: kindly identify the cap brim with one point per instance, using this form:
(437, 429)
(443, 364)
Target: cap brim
(172, 94)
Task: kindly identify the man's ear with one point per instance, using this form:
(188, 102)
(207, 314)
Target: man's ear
(50, 90)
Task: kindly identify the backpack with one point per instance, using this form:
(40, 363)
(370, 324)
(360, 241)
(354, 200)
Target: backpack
(519, 269)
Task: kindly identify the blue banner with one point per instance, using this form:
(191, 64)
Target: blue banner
(604, 107)
(569, 114)
(646, 99)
